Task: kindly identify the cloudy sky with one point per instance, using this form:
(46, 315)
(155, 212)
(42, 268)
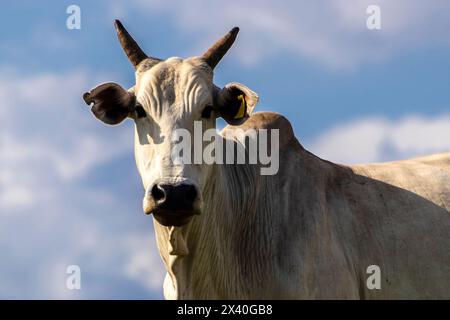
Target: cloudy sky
(69, 190)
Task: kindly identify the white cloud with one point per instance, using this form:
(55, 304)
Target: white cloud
(141, 265)
(46, 135)
(333, 33)
(52, 212)
(379, 139)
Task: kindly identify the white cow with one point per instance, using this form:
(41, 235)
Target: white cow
(310, 231)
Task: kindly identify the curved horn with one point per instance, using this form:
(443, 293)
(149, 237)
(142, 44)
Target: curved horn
(218, 50)
(131, 48)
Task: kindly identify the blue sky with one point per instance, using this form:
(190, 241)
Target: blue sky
(69, 190)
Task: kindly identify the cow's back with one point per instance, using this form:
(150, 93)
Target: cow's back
(427, 176)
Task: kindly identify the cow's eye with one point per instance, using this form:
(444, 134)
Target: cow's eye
(140, 112)
(206, 113)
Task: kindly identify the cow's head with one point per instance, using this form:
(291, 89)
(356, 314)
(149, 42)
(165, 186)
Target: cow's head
(169, 95)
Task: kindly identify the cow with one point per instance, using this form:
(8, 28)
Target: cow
(313, 230)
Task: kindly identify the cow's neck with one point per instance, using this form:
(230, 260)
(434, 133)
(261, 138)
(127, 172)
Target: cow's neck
(234, 244)
(254, 227)
(202, 256)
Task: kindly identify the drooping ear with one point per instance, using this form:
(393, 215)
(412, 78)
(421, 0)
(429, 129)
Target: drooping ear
(235, 103)
(111, 103)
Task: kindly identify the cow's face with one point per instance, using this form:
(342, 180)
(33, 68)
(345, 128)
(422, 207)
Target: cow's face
(173, 94)
(170, 97)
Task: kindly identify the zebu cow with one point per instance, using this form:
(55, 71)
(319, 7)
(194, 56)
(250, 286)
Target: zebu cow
(310, 231)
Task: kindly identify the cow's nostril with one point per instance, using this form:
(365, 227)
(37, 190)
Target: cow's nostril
(191, 193)
(158, 193)
(175, 197)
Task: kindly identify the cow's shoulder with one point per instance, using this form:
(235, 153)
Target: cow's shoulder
(269, 121)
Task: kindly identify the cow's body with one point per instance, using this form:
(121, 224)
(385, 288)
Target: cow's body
(312, 230)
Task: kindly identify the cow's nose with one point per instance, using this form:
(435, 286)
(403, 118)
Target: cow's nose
(174, 197)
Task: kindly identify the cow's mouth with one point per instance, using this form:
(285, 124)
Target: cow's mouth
(173, 218)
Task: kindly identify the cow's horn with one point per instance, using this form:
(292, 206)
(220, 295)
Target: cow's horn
(131, 48)
(218, 50)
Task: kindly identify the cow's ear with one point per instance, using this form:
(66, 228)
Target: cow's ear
(235, 103)
(110, 102)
